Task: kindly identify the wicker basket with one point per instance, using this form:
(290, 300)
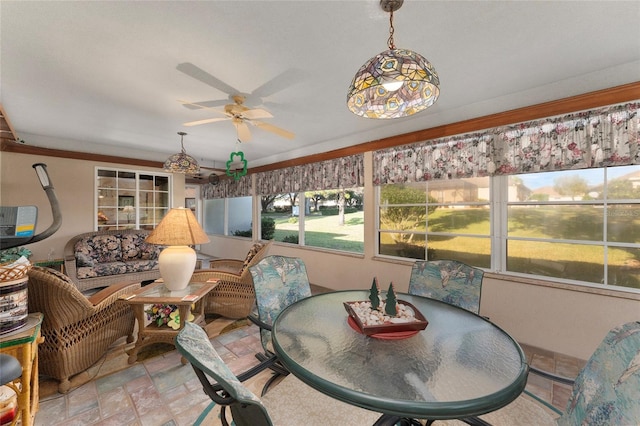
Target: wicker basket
(9, 272)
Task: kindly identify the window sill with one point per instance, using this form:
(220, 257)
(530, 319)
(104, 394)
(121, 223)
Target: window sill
(631, 294)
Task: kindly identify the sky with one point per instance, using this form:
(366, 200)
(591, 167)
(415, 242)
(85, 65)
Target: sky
(593, 177)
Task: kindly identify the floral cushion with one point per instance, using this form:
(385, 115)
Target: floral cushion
(104, 255)
(134, 247)
(141, 265)
(100, 248)
(102, 269)
(252, 252)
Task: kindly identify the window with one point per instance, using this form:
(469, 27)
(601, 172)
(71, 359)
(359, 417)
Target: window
(130, 199)
(446, 219)
(576, 225)
(228, 216)
(579, 225)
(330, 219)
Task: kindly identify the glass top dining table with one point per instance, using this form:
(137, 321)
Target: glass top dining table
(460, 366)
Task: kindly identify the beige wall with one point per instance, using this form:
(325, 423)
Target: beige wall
(551, 316)
(557, 318)
(73, 181)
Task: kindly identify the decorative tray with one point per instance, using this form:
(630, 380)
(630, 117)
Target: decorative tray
(419, 321)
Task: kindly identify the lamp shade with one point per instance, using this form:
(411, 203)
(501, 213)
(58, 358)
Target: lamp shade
(182, 162)
(395, 83)
(178, 230)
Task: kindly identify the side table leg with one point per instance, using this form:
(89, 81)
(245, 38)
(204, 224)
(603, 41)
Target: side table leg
(184, 311)
(138, 310)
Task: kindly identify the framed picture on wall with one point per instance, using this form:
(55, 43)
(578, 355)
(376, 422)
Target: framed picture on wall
(126, 200)
(190, 203)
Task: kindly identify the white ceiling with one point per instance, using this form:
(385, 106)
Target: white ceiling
(101, 77)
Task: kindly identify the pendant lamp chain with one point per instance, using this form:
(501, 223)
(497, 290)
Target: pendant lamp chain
(182, 141)
(395, 83)
(391, 31)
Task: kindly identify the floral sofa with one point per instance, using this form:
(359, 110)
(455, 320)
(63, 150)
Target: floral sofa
(99, 259)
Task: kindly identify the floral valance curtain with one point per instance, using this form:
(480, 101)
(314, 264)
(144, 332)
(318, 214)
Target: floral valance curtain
(227, 188)
(344, 172)
(608, 136)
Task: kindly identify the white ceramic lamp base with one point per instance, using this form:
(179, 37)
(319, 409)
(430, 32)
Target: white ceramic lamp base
(177, 264)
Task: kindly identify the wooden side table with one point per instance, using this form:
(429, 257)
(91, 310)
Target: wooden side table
(23, 345)
(157, 293)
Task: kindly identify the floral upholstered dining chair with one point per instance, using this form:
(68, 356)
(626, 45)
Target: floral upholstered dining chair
(278, 282)
(605, 392)
(290, 402)
(450, 281)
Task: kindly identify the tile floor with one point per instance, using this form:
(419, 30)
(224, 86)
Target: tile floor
(161, 391)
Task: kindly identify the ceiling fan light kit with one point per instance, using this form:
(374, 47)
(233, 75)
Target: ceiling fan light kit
(395, 83)
(182, 162)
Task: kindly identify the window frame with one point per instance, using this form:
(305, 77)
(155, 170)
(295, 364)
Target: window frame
(301, 200)
(136, 204)
(498, 216)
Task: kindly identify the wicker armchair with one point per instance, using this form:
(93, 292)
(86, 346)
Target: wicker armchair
(77, 330)
(234, 297)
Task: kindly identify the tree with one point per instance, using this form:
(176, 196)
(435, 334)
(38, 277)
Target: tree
(293, 196)
(571, 186)
(341, 199)
(412, 213)
(622, 189)
(354, 198)
(316, 197)
(266, 201)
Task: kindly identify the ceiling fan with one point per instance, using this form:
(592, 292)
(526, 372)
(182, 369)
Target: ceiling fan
(237, 112)
(240, 115)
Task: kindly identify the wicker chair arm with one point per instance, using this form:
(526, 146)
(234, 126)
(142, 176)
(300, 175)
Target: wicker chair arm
(109, 295)
(228, 265)
(205, 274)
(70, 260)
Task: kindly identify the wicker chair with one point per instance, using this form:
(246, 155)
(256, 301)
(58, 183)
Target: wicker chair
(234, 297)
(77, 330)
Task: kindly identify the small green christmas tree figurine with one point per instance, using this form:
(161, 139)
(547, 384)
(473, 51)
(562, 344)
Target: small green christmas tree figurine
(374, 297)
(390, 308)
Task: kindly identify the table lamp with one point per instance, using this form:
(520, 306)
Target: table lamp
(128, 210)
(178, 230)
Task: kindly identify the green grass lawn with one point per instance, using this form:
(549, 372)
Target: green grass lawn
(324, 231)
(569, 260)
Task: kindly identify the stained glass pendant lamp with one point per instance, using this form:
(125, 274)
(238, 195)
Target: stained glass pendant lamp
(395, 83)
(182, 162)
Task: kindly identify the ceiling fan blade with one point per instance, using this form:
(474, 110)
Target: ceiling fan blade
(194, 105)
(206, 121)
(244, 134)
(280, 82)
(199, 74)
(256, 113)
(273, 129)
(205, 104)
